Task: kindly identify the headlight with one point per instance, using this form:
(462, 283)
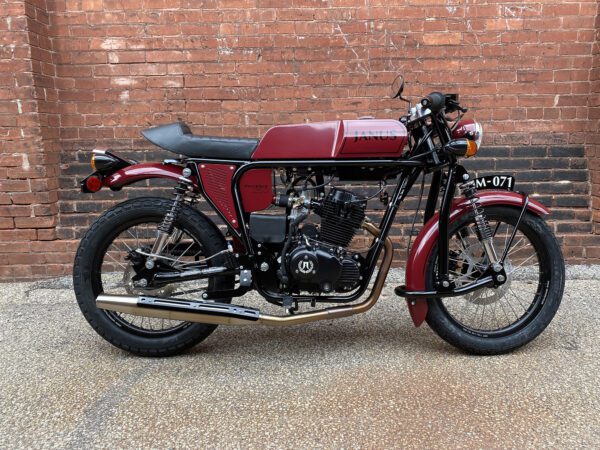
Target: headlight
(468, 129)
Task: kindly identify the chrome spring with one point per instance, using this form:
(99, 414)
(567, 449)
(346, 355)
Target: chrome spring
(484, 231)
(168, 222)
(482, 226)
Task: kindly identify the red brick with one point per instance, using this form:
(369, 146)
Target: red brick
(25, 258)
(48, 234)
(7, 223)
(442, 38)
(35, 222)
(38, 197)
(14, 185)
(11, 160)
(15, 211)
(17, 235)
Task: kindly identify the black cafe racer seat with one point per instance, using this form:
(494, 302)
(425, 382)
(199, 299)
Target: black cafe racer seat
(178, 138)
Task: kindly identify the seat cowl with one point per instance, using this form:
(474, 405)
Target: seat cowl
(178, 138)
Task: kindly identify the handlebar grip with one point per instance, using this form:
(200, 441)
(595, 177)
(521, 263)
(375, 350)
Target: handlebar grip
(434, 101)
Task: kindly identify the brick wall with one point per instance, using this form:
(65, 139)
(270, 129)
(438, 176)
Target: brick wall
(594, 139)
(79, 74)
(29, 149)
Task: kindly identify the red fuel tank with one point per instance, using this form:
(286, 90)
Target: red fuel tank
(358, 139)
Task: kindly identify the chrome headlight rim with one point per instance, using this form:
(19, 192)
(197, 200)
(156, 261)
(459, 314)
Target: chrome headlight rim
(478, 134)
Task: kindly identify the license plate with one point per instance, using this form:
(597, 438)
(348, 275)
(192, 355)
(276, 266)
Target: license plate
(505, 182)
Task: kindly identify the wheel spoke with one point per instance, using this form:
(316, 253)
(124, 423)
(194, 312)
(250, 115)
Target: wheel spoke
(513, 310)
(523, 263)
(482, 314)
(511, 249)
(504, 311)
(518, 298)
(113, 258)
(177, 260)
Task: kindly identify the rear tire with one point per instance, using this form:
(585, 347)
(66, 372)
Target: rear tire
(535, 318)
(87, 278)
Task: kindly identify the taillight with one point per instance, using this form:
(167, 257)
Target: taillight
(93, 183)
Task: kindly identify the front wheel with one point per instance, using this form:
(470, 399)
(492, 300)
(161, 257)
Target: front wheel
(497, 320)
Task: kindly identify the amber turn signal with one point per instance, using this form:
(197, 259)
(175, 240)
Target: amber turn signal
(105, 162)
(471, 148)
(461, 147)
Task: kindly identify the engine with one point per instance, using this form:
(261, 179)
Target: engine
(319, 260)
(341, 213)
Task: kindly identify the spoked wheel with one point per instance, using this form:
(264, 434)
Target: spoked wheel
(110, 260)
(498, 320)
(118, 275)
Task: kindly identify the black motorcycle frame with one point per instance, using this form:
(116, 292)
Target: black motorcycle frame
(407, 170)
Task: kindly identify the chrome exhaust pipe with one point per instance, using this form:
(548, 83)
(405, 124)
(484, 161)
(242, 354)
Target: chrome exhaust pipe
(226, 314)
(176, 309)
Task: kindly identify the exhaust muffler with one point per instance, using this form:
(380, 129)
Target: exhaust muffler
(226, 314)
(178, 309)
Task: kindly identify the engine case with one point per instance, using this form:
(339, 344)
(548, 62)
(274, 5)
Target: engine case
(318, 268)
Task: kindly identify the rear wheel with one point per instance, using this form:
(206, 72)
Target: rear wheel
(498, 320)
(104, 264)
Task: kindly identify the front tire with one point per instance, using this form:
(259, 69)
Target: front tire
(537, 287)
(132, 333)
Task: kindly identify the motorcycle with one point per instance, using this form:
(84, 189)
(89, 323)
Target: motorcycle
(155, 276)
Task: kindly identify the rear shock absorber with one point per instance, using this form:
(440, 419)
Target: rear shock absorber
(165, 228)
(482, 226)
(167, 224)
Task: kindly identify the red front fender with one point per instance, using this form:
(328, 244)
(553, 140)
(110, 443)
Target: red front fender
(137, 172)
(416, 266)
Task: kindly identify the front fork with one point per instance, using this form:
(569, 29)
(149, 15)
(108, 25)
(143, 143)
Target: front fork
(457, 175)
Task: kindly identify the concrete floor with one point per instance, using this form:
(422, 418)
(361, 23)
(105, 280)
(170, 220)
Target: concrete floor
(367, 381)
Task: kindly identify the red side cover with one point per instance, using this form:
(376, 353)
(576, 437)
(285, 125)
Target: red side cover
(216, 183)
(256, 187)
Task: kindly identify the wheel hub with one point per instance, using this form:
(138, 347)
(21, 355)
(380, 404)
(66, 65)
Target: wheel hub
(133, 287)
(471, 264)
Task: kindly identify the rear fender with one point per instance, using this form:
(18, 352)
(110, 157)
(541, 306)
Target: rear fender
(137, 172)
(416, 267)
